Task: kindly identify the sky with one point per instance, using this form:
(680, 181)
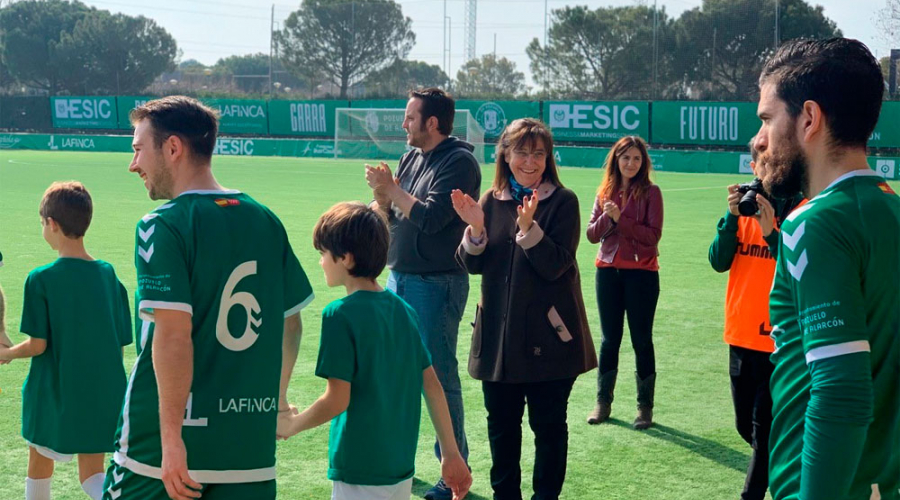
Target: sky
(207, 30)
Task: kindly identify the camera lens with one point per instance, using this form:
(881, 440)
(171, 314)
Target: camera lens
(748, 205)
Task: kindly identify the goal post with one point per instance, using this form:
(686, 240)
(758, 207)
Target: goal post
(374, 133)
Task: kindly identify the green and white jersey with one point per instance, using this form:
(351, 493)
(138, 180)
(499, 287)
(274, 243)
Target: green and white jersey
(837, 292)
(72, 397)
(226, 260)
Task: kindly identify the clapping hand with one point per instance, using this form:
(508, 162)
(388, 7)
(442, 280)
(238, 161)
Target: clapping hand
(469, 211)
(612, 210)
(526, 212)
(379, 178)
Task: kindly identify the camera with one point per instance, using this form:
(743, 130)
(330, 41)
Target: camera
(748, 205)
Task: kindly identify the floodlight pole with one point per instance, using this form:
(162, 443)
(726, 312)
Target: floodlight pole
(271, 47)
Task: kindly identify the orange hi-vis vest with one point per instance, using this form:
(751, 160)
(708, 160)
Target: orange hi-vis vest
(747, 296)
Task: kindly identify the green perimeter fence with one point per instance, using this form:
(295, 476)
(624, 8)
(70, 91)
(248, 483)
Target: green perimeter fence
(681, 124)
(572, 156)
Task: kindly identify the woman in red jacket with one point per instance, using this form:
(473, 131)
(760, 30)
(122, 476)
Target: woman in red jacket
(627, 220)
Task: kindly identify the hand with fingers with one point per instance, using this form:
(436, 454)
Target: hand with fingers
(766, 215)
(469, 211)
(179, 484)
(734, 197)
(526, 212)
(456, 475)
(612, 210)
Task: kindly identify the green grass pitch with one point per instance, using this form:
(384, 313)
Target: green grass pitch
(692, 452)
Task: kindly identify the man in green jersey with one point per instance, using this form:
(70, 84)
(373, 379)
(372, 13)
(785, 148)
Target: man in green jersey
(835, 301)
(222, 290)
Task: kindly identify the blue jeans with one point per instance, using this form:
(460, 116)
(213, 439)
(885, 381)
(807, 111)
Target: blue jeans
(439, 300)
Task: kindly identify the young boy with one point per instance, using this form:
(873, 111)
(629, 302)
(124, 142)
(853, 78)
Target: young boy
(377, 368)
(76, 314)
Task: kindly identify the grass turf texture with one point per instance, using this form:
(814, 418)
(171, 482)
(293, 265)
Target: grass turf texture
(692, 452)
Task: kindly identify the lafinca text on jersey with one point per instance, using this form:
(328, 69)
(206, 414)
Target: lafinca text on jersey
(248, 405)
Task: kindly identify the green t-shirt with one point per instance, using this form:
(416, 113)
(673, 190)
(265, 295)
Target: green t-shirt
(73, 394)
(371, 339)
(837, 292)
(226, 260)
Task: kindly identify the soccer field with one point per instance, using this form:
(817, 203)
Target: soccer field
(693, 451)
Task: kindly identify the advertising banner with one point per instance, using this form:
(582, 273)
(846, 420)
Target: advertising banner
(704, 123)
(241, 116)
(303, 118)
(594, 121)
(494, 116)
(84, 112)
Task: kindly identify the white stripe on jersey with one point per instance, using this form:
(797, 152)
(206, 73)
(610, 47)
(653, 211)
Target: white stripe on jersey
(145, 308)
(831, 351)
(294, 310)
(126, 406)
(201, 476)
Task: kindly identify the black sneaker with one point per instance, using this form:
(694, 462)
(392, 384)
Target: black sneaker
(440, 491)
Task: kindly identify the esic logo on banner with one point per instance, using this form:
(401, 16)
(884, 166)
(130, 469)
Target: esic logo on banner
(594, 121)
(84, 112)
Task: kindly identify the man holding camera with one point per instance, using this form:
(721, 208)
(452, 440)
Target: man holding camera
(746, 245)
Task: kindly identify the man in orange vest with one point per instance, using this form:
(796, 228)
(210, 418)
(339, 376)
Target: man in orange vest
(747, 248)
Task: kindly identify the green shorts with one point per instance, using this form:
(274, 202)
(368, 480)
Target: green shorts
(123, 484)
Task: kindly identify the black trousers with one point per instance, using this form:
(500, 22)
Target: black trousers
(547, 406)
(750, 373)
(632, 291)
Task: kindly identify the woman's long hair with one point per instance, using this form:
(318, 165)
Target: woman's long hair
(520, 133)
(612, 180)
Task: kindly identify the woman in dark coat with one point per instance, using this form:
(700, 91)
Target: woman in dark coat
(531, 337)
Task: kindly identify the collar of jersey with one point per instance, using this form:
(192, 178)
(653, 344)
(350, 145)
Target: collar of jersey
(209, 191)
(863, 172)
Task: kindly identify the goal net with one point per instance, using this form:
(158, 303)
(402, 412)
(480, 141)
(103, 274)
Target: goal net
(377, 133)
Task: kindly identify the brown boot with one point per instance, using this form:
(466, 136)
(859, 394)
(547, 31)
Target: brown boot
(606, 386)
(645, 390)
(600, 414)
(644, 418)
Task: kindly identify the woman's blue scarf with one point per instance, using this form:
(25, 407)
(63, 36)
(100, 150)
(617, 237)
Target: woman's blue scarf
(517, 190)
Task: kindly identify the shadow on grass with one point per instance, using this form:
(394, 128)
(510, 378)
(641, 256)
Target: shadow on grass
(420, 487)
(706, 448)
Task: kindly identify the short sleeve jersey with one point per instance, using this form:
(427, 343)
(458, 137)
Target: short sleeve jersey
(372, 341)
(224, 259)
(73, 394)
(837, 292)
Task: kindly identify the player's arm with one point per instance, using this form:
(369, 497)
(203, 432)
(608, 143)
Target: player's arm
(722, 248)
(173, 362)
(293, 331)
(27, 349)
(329, 405)
(4, 338)
(454, 470)
(837, 420)
(826, 266)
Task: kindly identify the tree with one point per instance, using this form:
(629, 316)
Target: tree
(401, 76)
(191, 65)
(31, 35)
(60, 46)
(115, 53)
(722, 46)
(604, 53)
(344, 41)
(489, 77)
(887, 22)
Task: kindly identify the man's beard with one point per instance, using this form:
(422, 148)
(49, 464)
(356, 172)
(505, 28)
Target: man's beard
(161, 184)
(787, 171)
(417, 139)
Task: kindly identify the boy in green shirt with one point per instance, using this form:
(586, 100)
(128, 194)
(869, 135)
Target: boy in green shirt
(75, 312)
(376, 365)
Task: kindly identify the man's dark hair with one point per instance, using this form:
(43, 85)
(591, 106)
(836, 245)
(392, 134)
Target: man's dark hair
(70, 205)
(439, 104)
(357, 229)
(840, 75)
(187, 118)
